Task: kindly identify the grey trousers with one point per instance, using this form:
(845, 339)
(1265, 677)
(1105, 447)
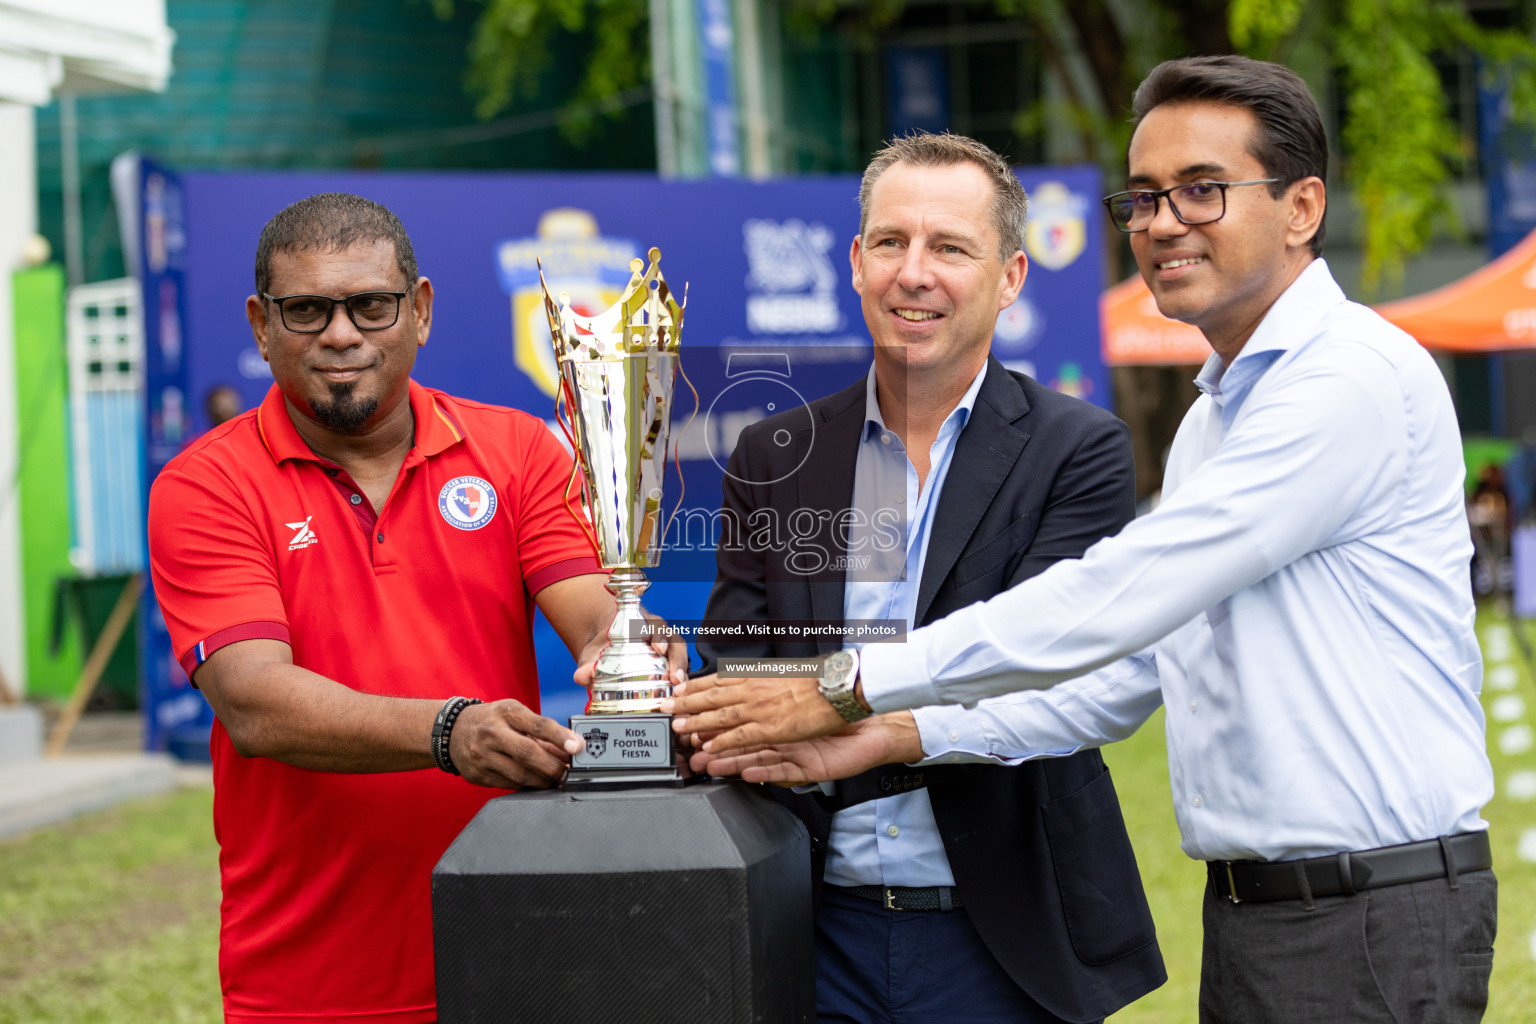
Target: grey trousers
(1406, 954)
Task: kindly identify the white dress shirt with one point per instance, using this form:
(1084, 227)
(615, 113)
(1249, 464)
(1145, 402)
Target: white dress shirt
(1300, 601)
(894, 840)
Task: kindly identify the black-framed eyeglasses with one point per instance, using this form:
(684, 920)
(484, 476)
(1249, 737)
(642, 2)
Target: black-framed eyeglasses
(1203, 202)
(311, 314)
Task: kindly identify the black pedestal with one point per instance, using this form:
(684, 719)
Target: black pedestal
(666, 905)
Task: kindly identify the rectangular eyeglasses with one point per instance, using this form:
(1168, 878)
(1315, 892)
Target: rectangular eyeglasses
(311, 314)
(1203, 202)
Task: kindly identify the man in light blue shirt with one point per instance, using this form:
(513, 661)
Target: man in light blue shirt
(863, 847)
(1299, 602)
(954, 883)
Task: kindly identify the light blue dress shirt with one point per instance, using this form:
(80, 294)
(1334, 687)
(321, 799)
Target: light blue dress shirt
(894, 840)
(1300, 601)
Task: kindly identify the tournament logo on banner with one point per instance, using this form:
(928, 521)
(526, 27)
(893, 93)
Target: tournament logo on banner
(592, 268)
(1057, 232)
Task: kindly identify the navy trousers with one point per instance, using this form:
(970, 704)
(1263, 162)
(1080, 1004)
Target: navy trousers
(878, 966)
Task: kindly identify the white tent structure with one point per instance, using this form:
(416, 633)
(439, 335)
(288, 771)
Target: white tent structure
(48, 49)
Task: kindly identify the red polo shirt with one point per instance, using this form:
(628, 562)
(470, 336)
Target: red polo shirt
(326, 876)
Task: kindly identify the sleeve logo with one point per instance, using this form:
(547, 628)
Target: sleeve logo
(467, 502)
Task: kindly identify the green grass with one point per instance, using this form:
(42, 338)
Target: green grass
(115, 917)
(1175, 883)
(1512, 995)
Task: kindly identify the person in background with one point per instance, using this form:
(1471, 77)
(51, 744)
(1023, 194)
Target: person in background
(222, 404)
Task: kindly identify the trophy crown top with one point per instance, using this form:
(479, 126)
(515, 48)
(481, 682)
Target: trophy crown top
(646, 318)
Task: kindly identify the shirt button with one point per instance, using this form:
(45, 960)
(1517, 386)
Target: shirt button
(1194, 705)
(893, 831)
(885, 438)
(1198, 801)
(357, 499)
(954, 736)
(381, 538)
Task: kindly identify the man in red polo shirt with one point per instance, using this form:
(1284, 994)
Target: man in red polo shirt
(333, 566)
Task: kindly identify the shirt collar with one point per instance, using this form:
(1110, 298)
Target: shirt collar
(1288, 324)
(437, 428)
(874, 423)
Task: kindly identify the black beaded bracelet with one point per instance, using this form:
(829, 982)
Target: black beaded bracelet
(442, 731)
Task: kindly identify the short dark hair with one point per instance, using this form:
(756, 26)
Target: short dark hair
(1290, 143)
(331, 221)
(1010, 206)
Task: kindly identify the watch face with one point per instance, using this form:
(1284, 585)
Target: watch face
(838, 663)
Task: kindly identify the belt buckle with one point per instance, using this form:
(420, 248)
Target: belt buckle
(890, 900)
(1231, 883)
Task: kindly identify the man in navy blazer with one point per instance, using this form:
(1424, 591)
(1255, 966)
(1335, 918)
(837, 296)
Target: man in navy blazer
(953, 882)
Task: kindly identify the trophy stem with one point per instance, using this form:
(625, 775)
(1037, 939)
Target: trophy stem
(631, 677)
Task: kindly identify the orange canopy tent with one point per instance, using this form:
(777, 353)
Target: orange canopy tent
(1491, 309)
(1136, 334)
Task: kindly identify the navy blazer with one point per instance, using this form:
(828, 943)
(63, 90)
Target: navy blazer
(1039, 851)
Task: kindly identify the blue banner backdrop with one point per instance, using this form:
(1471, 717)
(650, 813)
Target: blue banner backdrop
(175, 715)
(716, 49)
(765, 263)
(1508, 152)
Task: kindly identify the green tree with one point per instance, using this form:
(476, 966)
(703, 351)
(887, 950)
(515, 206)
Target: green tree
(511, 50)
(1399, 144)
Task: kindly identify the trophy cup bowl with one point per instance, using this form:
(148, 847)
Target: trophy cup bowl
(617, 382)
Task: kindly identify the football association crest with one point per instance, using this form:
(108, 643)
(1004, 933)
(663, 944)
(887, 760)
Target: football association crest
(1056, 232)
(467, 502)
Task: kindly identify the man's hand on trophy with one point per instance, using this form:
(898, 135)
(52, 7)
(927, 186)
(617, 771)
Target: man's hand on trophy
(752, 712)
(507, 745)
(883, 739)
(666, 643)
(673, 647)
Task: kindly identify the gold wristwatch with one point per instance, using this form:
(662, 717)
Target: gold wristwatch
(839, 674)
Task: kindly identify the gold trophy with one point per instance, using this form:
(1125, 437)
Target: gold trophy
(618, 374)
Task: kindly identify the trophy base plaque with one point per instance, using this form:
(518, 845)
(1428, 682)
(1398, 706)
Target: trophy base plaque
(623, 751)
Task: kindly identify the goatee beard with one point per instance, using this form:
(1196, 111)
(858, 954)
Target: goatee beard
(343, 413)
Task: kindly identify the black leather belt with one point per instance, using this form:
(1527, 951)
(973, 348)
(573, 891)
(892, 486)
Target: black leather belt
(1343, 874)
(900, 897)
